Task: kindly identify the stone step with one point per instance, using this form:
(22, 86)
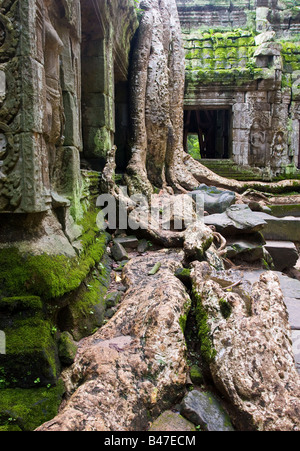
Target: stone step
(282, 229)
(229, 169)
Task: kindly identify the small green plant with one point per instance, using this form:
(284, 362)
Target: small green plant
(225, 308)
(137, 8)
(53, 330)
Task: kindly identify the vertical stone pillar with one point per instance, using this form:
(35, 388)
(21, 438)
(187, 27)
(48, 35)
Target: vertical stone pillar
(24, 185)
(39, 100)
(98, 96)
(240, 132)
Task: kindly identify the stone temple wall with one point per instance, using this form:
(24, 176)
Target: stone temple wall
(60, 61)
(50, 52)
(245, 56)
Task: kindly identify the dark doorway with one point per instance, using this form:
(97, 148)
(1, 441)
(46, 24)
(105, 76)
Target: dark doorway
(122, 125)
(213, 130)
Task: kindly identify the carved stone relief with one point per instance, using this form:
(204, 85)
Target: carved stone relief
(8, 35)
(10, 179)
(258, 145)
(278, 149)
(2, 34)
(54, 119)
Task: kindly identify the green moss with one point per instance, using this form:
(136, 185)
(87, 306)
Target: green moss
(204, 333)
(182, 322)
(183, 318)
(86, 308)
(67, 349)
(228, 77)
(285, 210)
(196, 375)
(225, 308)
(26, 334)
(184, 275)
(51, 276)
(25, 410)
(21, 303)
(31, 354)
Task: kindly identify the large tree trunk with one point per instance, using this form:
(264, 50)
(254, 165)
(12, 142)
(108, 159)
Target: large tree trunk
(157, 104)
(157, 94)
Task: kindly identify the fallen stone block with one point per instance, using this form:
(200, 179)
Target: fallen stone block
(215, 200)
(204, 409)
(236, 220)
(172, 421)
(128, 242)
(282, 229)
(283, 253)
(119, 253)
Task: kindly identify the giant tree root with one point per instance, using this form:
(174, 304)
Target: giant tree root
(249, 348)
(134, 367)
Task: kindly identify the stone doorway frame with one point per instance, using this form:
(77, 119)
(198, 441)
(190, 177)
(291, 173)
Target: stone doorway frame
(205, 123)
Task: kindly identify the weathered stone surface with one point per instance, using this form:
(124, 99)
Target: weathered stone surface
(203, 409)
(237, 219)
(251, 358)
(215, 200)
(293, 306)
(284, 253)
(31, 356)
(172, 421)
(126, 363)
(238, 45)
(249, 247)
(66, 349)
(281, 229)
(142, 246)
(119, 253)
(41, 235)
(113, 299)
(198, 239)
(296, 347)
(128, 242)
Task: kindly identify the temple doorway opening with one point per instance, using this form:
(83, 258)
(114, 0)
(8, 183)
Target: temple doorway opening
(207, 132)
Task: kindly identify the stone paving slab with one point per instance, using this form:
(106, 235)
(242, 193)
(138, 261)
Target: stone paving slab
(296, 347)
(284, 253)
(293, 306)
(282, 229)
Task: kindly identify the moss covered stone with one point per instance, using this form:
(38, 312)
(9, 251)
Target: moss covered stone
(204, 333)
(67, 349)
(225, 308)
(86, 306)
(35, 290)
(31, 357)
(184, 274)
(50, 276)
(196, 375)
(25, 410)
(221, 57)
